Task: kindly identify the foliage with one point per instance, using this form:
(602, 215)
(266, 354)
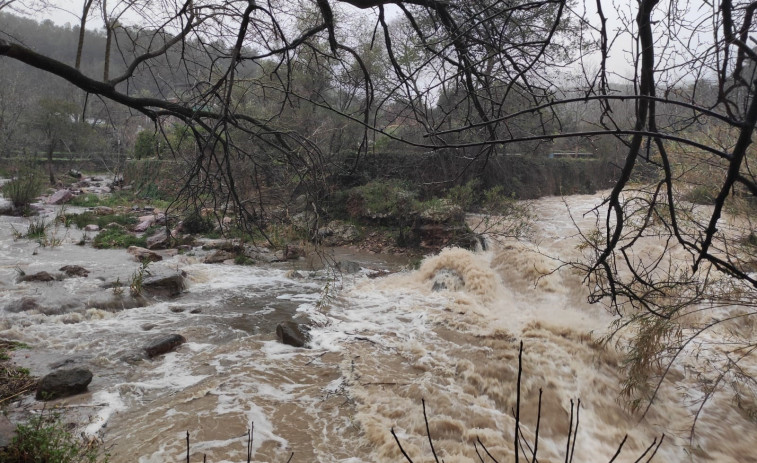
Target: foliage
(146, 145)
(47, 438)
(195, 223)
(117, 237)
(138, 277)
(380, 199)
(25, 186)
(464, 195)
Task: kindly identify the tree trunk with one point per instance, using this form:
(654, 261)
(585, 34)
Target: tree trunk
(50, 169)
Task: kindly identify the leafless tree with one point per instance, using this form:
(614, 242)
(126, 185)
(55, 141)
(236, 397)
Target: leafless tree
(266, 83)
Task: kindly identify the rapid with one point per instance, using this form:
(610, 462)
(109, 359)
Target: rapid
(379, 346)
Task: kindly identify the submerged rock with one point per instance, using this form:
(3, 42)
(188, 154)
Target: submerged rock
(74, 271)
(63, 383)
(166, 285)
(39, 276)
(348, 266)
(164, 345)
(448, 279)
(292, 334)
(23, 305)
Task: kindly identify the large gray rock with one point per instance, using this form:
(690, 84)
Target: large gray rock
(142, 254)
(293, 334)
(164, 285)
(159, 240)
(337, 233)
(63, 383)
(164, 345)
(60, 197)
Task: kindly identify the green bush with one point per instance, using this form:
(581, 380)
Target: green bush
(25, 187)
(45, 438)
(380, 199)
(195, 223)
(117, 237)
(464, 195)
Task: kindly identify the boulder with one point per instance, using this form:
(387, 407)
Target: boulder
(143, 254)
(219, 256)
(144, 224)
(92, 228)
(60, 197)
(337, 233)
(290, 252)
(304, 220)
(292, 334)
(170, 285)
(164, 345)
(63, 383)
(74, 173)
(39, 276)
(447, 279)
(74, 271)
(159, 240)
(259, 253)
(348, 266)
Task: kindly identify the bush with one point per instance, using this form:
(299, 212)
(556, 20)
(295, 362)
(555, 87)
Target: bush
(195, 223)
(45, 438)
(25, 187)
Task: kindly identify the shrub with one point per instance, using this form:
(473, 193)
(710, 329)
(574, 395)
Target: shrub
(195, 223)
(464, 195)
(25, 187)
(45, 438)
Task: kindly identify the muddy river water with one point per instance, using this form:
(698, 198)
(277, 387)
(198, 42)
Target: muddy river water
(378, 347)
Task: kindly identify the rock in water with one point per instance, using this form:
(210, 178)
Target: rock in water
(74, 270)
(39, 276)
(63, 383)
(448, 279)
(292, 333)
(171, 285)
(143, 254)
(164, 345)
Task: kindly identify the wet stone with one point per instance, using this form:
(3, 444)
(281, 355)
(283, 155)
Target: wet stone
(292, 334)
(39, 277)
(171, 285)
(74, 270)
(164, 345)
(63, 383)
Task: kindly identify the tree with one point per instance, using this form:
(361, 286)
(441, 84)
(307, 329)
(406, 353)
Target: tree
(54, 120)
(474, 78)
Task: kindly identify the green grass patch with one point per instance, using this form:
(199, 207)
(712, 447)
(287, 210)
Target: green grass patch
(117, 237)
(14, 380)
(102, 221)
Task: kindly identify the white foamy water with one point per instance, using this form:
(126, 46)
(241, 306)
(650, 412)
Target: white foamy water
(378, 347)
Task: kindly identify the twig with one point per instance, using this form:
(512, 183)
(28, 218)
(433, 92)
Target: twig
(428, 431)
(396, 439)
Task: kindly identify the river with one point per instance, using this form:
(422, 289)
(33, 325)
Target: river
(379, 346)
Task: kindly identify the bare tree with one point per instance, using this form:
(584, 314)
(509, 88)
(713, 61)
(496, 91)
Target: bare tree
(262, 81)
